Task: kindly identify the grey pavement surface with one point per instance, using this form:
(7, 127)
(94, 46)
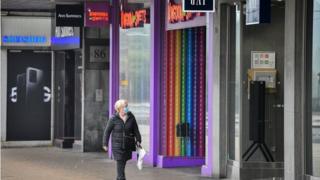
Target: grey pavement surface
(50, 163)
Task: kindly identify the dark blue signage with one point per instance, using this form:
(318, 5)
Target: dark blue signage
(258, 11)
(24, 39)
(198, 5)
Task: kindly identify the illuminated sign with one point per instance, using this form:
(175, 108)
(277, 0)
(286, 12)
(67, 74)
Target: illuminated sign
(175, 14)
(97, 14)
(198, 5)
(135, 18)
(24, 39)
(65, 40)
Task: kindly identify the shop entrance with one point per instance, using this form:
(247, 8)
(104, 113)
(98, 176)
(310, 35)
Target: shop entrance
(255, 74)
(67, 122)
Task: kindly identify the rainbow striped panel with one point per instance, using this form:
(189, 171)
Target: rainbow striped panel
(183, 94)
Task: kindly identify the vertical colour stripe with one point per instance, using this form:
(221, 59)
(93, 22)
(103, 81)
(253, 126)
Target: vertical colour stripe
(189, 92)
(195, 91)
(177, 89)
(183, 85)
(202, 110)
(172, 78)
(163, 131)
(168, 91)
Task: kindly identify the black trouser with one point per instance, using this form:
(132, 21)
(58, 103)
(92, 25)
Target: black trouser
(121, 164)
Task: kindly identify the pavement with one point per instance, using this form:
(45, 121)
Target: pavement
(50, 163)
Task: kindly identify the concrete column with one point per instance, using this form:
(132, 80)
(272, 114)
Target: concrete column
(207, 169)
(294, 88)
(216, 160)
(3, 94)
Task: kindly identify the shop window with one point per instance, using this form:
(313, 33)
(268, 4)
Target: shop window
(135, 67)
(313, 140)
(234, 82)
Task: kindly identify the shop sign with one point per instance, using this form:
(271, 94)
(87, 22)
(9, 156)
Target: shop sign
(198, 5)
(263, 59)
(135, 18)
(24, 39)
(25, 31)
(66, 38)
(69, 15)
(258, 11)
(97, 14)
(176, 15)
(64, 31)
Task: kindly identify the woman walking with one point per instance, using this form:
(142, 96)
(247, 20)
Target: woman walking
(125, 136)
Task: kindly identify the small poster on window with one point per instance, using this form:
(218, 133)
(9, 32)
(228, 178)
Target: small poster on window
(263, 59)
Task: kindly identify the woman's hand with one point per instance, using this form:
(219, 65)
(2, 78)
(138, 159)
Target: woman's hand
(105, 148)
(138, 144)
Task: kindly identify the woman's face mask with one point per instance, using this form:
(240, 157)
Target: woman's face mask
(126, 110)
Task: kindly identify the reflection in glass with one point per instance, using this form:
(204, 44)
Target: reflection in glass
(135, 75)
(316, 90)
(234, 91)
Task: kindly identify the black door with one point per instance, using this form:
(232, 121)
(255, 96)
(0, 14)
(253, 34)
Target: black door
(77, 95)
(64, 98)
(29, 95)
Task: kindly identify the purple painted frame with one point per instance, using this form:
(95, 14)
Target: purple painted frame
(114, 59)
(157, 29)
(207, 169)
(157, 40)
(167, 161)
(151, 157)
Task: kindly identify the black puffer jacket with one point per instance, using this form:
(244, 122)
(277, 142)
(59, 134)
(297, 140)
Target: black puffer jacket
(118, 128)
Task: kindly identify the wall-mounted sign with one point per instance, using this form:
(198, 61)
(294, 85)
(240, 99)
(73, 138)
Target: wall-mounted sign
(99, 95)
(64, 43)
(24, 39)
(66, 38)
(263, 59)
(175, 14)
(18, 31)
(258, 11)
(64, 31)
(99, 53)
(69, 15)
(135, 18)
(97, 14)
(198, 5)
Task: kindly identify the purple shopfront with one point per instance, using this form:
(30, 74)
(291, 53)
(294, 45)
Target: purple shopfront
(160, 62)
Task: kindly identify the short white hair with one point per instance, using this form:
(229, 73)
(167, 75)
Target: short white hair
(120, 103)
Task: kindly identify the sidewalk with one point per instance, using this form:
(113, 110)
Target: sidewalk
(50, 163)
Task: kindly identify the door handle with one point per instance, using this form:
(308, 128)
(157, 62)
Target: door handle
(278, 106)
